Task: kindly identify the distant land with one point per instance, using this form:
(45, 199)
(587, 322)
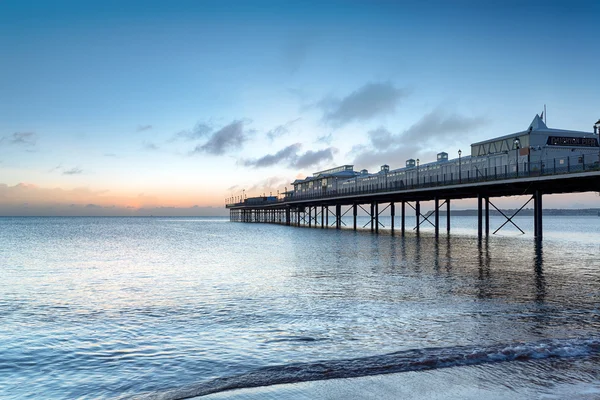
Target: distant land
(529, 211)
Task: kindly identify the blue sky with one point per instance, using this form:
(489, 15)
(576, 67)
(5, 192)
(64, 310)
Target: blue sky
(131, 104)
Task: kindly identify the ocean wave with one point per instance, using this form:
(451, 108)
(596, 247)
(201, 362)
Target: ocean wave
(401, 361)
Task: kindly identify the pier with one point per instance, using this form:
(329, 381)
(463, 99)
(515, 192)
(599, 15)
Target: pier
(326, 210)
(535, 162)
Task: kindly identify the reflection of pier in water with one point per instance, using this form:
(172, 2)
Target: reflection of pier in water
(316, 211)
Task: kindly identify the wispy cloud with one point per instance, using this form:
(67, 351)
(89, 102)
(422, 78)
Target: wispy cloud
(200, 130)
(142, 128)
(57, 168)
(281, 130)
(66, 171)
(292, 158)
(314, 158)
(150, 146)
(21, 138)
(435, 129)
(369, 101)
(229, 138)
(268, 185)
(326, 139)
(73, 171)
(295, 52)
(287, 154)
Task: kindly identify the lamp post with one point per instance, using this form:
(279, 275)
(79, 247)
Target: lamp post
(597, 129)
(418, 183)
(243, 194)
(459, 166)
(517, 144)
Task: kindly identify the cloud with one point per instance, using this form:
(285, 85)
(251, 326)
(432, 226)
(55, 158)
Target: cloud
(424, 139)
(438, 124)
(288, 153)
(142, 128)
(230, 137)
(365, 103)
(58, 167)
(64, 171)
(290, 156)
(200, 130)
(73, 171)
(268, 185)
(313, 158)
(380, 138)
(21, 138)
(294, 53)
(326, 139)
(150, 146)
(281, 130)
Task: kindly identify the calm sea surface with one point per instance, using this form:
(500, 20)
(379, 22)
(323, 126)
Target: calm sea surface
(174, 307)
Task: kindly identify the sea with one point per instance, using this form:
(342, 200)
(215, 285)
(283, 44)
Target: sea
(173, 308)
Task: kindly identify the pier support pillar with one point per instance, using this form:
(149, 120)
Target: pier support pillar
(403, 219)
(322, 217)
(487, 216)
(479, 216)
(354, 213)
(448, 216)
(393, 214)
(287, 217)
(437, 217)
(418, 215)
(310, 216)
(327, 216)
(338, 216)
(372, 216)
(537, 215)
(376, 217)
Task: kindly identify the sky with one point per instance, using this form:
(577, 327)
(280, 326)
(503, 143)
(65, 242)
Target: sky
(168, 108)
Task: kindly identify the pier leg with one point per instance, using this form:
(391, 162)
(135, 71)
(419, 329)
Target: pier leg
(479, 216)
(537, 215)
(354, 213)
(418, 215)
(393, 214)
(448, 216)
(403, 219)
(310, 216)
(322, 217)
(327, 216)
(437, 217)
(487, 216)
(372, 212)
(376, 217)
(287, 217)
(338, 216)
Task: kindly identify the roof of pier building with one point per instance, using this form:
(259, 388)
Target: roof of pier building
(343, 171)
(505, 143)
